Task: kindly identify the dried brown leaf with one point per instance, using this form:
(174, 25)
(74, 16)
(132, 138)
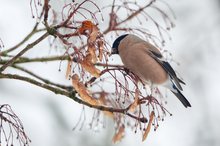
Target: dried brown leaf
(68, 70)
(90, 29)
(89, 66)
(103, 101)
(109, 114)
(86, 26)
(102, 97)
(135, 103)
(81, 89)
(146, 132)
(119, 135)
(92, 49)
(94, 34)
(101, 48)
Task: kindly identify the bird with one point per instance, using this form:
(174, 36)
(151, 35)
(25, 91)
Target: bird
(146, 61)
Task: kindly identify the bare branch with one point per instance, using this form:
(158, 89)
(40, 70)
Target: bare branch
(14, 126)
(28, 47)
(46, 81)
(71, 95)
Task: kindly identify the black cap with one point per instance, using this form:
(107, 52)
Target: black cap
(116, 44)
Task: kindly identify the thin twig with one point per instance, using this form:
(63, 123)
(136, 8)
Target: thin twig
(136, 12)
(28, 47)
(34, 30)
(20, 43)
(38, 59)
(71, 95)
(46, 10)
(69, 88)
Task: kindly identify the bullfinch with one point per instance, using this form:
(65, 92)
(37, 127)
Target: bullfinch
(146, 61)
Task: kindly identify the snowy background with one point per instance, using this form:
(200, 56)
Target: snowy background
(49, 118)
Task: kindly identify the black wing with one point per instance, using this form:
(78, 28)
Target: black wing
(168, 68)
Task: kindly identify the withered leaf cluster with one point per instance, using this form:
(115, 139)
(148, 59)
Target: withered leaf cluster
(95, 47)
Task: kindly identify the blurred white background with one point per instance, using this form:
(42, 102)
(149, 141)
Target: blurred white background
(49, 118)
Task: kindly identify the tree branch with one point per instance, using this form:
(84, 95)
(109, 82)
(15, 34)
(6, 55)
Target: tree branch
(71, 95)
(28, 47)
(113, 23)
(40, 59)
(69, 88)
(34, 30)
(136, 13)
(21, 43)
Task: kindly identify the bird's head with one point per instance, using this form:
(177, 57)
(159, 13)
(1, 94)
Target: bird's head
(117, 43)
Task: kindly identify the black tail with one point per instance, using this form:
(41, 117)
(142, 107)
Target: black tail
(182, 98)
